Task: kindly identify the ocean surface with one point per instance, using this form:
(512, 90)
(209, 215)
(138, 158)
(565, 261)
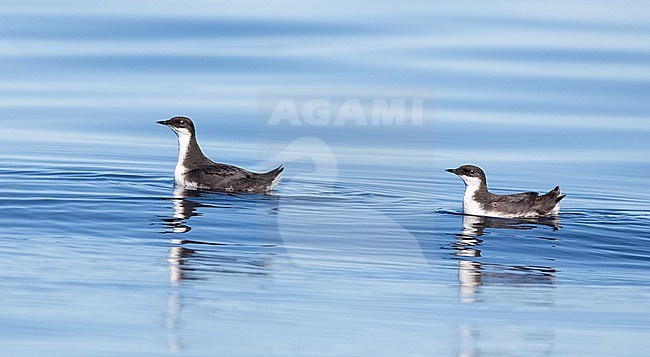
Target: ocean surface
(362, 250)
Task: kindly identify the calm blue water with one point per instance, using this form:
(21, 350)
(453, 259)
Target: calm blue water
(362, 249)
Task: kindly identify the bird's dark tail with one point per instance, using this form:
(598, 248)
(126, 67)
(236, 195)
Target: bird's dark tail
(548, 202)
(275, 172)
(555, 194)
(273, 177)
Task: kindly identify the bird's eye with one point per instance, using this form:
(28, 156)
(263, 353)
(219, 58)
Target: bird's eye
(471, 172)
(182, 122)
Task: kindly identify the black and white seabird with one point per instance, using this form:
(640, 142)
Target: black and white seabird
(479, 201)
(195, 171)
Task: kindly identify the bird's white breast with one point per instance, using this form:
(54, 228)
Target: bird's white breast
(184, 137)
(470, 205)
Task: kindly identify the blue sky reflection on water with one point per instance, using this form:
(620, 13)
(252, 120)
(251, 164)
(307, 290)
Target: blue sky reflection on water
(498, 60)
(361, 251)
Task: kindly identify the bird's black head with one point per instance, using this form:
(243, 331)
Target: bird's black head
(468, 171)
(179, 124)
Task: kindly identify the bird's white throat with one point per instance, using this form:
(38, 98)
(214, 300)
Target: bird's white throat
(470, 205)
(184, 138)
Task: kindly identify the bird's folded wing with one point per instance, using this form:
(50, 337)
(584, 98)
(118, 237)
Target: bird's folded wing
(223, 170)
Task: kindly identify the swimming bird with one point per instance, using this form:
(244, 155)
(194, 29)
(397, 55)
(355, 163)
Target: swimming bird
(195, 171)
(478, 201)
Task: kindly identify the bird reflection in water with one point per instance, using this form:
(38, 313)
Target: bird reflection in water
(474, 271)
(183, 209)
(202, 257)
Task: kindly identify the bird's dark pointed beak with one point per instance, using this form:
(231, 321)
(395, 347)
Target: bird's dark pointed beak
(163, 122)
(453, 171)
